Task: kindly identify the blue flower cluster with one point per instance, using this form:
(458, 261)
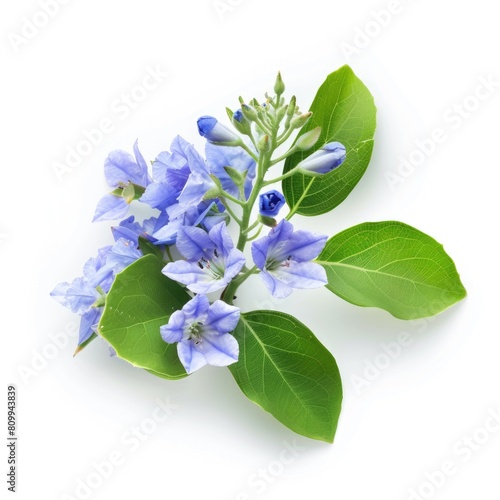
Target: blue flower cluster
(194, 198)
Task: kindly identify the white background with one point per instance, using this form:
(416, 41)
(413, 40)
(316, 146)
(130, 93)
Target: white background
(404, 423)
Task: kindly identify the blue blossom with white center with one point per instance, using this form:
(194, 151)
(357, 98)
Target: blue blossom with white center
(270, 203)
(213, 131)
(237, 158)
(284, 258)
(201, 332)
(121, 169)
(211, 262)
(324, 160)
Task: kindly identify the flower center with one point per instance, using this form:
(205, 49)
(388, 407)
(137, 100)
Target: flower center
(194, 332)
(213, 267)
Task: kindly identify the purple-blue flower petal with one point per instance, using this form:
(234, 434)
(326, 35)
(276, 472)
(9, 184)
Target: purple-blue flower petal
(222, 317)
(193, 243)
(110, 207)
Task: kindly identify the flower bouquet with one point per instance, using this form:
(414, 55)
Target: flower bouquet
(164, 294)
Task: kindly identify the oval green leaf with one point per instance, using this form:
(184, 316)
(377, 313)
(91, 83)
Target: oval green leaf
(285, 369)
(141, 300)
(345, 111)
(392, 266)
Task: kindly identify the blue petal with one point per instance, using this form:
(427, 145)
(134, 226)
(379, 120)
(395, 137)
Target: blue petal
(120, 168)
(173, 331)
(219, 350)
(88, 324)
(304, 245)
(143, 166)
(276, 288)
(270, 203)
(301, 275)
(122, 255)
(196, 309)
(220, 236)
(193, 243)
(160, 195)
(127, 229)
(110, 207)
(78, 295)
(219, 157)
(190, 358)
(234, 264)
(222, 317)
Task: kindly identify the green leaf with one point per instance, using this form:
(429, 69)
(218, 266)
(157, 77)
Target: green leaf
(141, 300)
(392, 266)
(345, 111)
(148, 248)
(284, 368)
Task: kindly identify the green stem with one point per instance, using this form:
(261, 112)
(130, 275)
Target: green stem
(293, 211)
(281, 177)
(256, 235)
(285, 156)
(248, 150)
(228, 294)
(230, 211)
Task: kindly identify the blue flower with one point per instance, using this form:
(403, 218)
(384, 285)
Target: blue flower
(86, 295)
(201, 332)
(219, 157)
(213, 131)
(270, 203)
(211, 259)
(122, 254)
(325, 159)
(131, 230)
(82, 295)
(181, 183)
(284, 258)
(121, 169)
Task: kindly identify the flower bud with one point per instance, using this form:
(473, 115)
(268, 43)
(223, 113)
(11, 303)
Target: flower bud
(279, 86)
(249, 113)
(270, 203)
(324, 160)
(301, 120)
(241, 124)
(264, 145)
(216, 133)
(309, 139)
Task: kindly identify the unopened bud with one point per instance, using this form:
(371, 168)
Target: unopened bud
(324, 160)
(279, 86)
(301, 120)
(216, 133)
(249, 113)
(264, 145)
(241, 123)
(309, 139)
